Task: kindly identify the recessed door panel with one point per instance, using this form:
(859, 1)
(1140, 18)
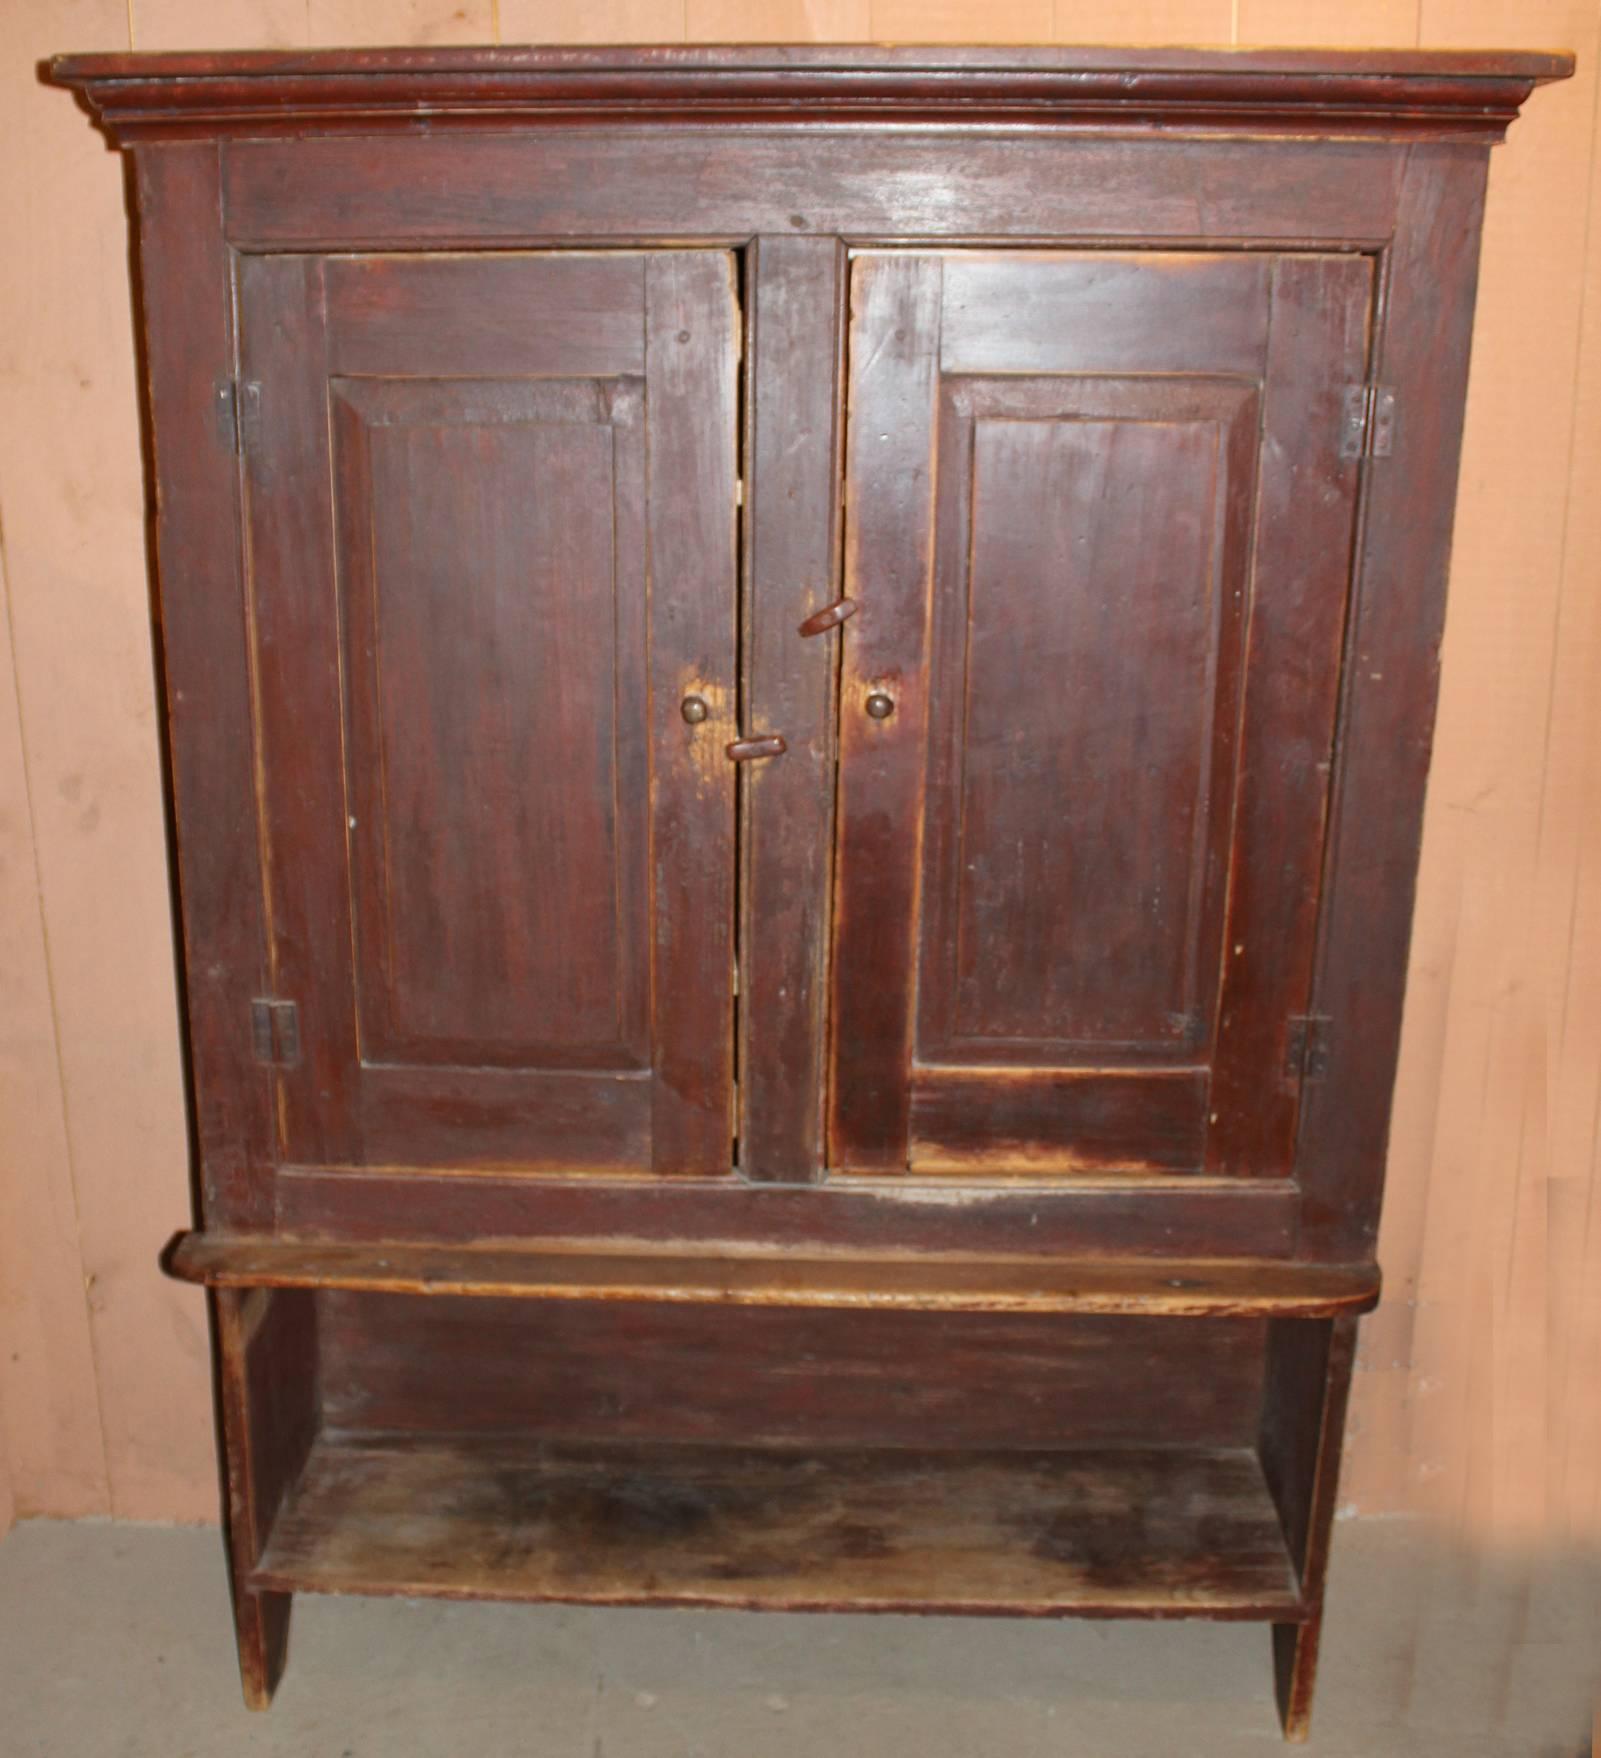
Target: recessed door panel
(1098, 530)
(1085, 663)
(492, 517)
(498, 875)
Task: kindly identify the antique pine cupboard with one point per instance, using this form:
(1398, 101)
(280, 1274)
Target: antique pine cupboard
(798, 680)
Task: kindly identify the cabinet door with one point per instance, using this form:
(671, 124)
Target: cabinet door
(491, 530)
(1099, 528)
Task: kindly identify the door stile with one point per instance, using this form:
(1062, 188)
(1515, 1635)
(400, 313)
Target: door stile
(894, 354)
(1305, 528)
(795, 407)
(289, 516)
(692, 338)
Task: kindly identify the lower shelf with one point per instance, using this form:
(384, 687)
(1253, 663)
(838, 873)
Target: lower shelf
(1124, 1531)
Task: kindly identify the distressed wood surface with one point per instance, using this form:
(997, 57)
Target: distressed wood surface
(486, 188)
(526, 849)
(271, 1410)
(1088, 839)
(547, 1271)
(790, 1376)
(1119, 1216)
(1307, 1384)
(1505, 751)
(1127, 1532)
(1472, 95)
(795, 313)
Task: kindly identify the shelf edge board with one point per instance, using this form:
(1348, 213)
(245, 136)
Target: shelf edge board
(610, 1270)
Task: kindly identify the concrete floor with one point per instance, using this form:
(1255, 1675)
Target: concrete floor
(115, 1643)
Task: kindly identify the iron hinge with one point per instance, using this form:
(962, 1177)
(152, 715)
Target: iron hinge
(1306, 1054)
(1367, 421)
(238, 410)
(275, 1032)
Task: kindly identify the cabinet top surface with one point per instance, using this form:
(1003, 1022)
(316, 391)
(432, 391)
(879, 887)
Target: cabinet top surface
(1472, 93)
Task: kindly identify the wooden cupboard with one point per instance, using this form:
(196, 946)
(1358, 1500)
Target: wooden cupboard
(797, 680)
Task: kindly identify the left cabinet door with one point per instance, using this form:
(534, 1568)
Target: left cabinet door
(491, 534)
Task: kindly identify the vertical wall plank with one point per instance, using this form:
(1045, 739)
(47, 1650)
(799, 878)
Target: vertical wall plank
(1568, 910)
(1470, 1362)
(334, 23)
(1343, 23)
(962, 21)
(1143, 21)
(591, 21)
(779, 21)
(1502, 1049)
(216, 24)
(49, 1403)
(73, 516)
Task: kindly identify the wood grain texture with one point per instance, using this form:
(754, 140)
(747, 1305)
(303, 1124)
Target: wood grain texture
(778, 21)
(1499, 753)
(895, 305)
(783, 1376)
(1491, 1200)
(1308, 1381)
(347, 22)
(1173, 1533)
(519, 561)
(591, 21)
(1157, 22)
(1386, 715)
(267, 1380)
(536, 1271)
(1305, 534)
(1388, 93)
(89, 1004)
(52, 1449)
(793, 421)
(1150, 1216)
(692, 328)
(1080, 781)
(204, 664)
(1127, 650)
(493, 189)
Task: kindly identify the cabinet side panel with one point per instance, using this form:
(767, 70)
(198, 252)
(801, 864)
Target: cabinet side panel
(186, 304)
(1386, 725)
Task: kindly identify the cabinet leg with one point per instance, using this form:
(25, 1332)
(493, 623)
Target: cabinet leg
(267, 1373)
(261, 1626)
(1295, 1673)
(1308, 1382)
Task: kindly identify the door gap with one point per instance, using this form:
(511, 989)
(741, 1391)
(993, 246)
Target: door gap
(743, 572)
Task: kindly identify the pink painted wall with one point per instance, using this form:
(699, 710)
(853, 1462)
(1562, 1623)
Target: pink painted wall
(1477, 1387)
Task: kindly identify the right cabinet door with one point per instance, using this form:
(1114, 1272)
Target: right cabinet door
(1099, 520)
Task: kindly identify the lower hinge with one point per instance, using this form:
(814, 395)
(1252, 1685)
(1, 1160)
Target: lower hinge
(238, 412)
(275, 1032)
(1307, 1047)
(1367, 421)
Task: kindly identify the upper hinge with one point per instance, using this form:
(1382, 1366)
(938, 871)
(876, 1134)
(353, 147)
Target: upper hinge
(238, 411)
(1367, 421)
(275, 1031)
(1307, 1046)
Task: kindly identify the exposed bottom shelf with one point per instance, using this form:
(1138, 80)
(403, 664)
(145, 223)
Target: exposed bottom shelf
(1123, 1531)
